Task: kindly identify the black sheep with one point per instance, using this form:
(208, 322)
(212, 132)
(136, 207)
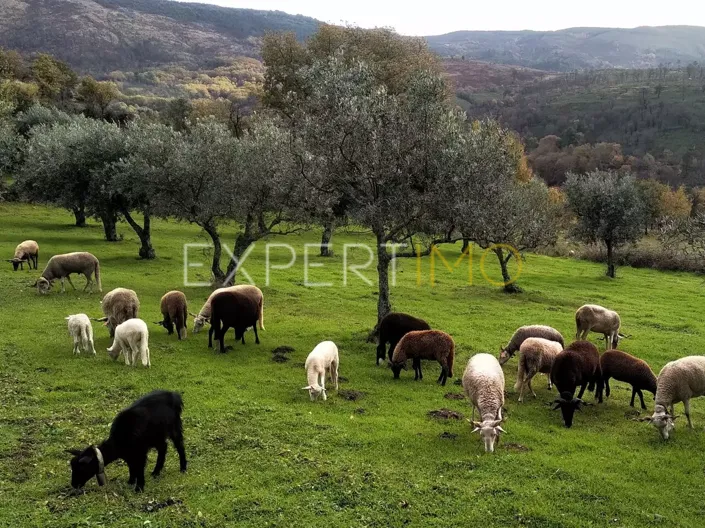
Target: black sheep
(146, 424)
(232, 309)
(393, 327)
(577, 366)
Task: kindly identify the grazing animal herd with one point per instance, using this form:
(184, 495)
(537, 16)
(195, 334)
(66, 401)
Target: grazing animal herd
(155, 418)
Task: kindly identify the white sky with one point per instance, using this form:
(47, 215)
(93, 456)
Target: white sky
(413, 17)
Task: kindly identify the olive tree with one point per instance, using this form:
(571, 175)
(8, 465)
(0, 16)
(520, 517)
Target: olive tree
(385, 154)
(496, 204)
(609, 210)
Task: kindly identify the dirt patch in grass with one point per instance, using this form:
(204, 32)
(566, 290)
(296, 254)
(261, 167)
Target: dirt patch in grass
(280, 358)
(458, 382)
(343, 379)
(281, 350)
(154, 505)
(351, 395)
(454, 396)
(359, 411)
(511, 446)
(445, 435)
(446, 414)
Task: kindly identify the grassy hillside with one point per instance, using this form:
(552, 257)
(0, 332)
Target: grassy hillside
(260, 453)
(578, 48)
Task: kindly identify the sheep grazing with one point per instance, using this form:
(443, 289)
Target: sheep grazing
(678, 381)
(62, 266)
(27, 251)
(624, 367)
(424, 344)
(233, 309)
(145, 425)
(536, 355)
(483, 383)
(577, 366)
(118, 306)
(82, 332)
(132, 339)
(204, 316)
(594, 318)
(525, 332)
(392, 328)
(322, 359)
(174, 313)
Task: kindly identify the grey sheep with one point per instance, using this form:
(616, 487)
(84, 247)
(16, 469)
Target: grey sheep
(62, 266)
(118, 306)
(525, 332)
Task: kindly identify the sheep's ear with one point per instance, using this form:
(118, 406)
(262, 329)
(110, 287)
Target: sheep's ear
(556, 406)
(306, 388)
(495, 423)
(499, 428)
(160, 323)
(74, 452)
(67, 318)
(101, 320)
(644, 419)
(100, 477)
(192, 314)
(475, 430)
(674, 417)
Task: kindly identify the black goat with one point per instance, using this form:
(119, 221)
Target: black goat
(232, 309)
(392, 328)
(577, 366)
(146, 424)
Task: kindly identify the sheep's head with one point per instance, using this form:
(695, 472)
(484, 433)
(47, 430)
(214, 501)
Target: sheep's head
(316, 392)
(43, 285)
(16, 262)
(664, 422)
(489, 432)
(397, 367)
(198, 322)
(85, 465)
(568, 405)
(114, 351)
(504, 355)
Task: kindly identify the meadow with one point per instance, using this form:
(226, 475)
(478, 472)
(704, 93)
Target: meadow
(261, 454)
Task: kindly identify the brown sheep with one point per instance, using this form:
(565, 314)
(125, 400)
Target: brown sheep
(424, 344)
(174, 313)
(629, 369)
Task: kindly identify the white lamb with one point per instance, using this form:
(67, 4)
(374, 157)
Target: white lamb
(483, 383)
(132, 339)
(536, 355)
(81, 330)
(321, 359)
(678, 381)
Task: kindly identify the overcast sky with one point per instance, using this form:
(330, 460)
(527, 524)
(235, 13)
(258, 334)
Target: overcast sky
(442, 16)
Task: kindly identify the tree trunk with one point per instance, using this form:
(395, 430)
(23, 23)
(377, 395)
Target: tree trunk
(383, 259)
(611, 272)
(218, 275)
(242, 242)
(109, 220)
(144, 233)
(509, 286)
(79, 212)
(466, 243)
(328, 229)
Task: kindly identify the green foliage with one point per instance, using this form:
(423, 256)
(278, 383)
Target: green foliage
(608, 207)
(97, 96)
(55, 78)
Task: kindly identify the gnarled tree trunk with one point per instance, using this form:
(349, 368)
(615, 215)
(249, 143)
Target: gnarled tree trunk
(509, 285)
(212, 230)
(109, 220)
(326, 237)
(144, 233)
(79, 213)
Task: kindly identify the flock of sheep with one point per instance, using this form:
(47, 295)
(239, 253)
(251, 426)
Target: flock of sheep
(150, 421)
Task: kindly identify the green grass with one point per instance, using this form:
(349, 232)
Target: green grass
(261, 454)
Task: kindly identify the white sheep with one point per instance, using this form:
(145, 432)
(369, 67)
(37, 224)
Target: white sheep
(483, 383)
(592, 317)
(62, 266)
(678, 381)
(27, 251)
(321, 359)
(81, 330)
(536, 355)
(132, 339)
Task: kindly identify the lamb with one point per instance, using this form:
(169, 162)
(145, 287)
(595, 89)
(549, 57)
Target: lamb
(525, 332)
(82, 332)
(204, 316)
(424, 344)
(174, 313)
(233, 309)
(678, 381)
(483, 383)
(624, 367)
(592, 317)
(392, 328)
(118, 306)
(27, 251)
(62, 266)
(323, 358)
(132, 339)
(536, 355)
(146, 424)
(577, 365)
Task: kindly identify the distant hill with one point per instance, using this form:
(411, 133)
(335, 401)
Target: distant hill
(104, 35)
(578, 48)
(473, 76)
